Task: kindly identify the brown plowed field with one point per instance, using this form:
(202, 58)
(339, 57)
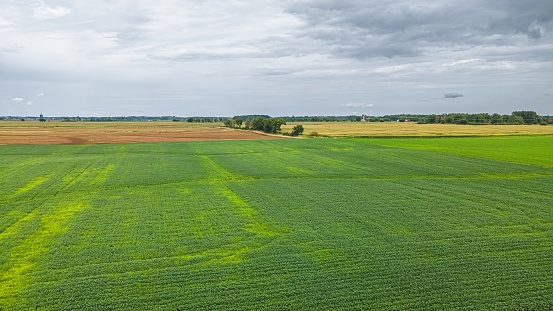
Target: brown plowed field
(29, 132)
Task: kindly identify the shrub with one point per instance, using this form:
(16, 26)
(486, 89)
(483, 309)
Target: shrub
(313, 134)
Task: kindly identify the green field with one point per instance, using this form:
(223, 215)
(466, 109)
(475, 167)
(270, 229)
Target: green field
(296, 224)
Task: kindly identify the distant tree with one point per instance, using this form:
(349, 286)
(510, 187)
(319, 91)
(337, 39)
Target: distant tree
(297, 130)
(497, 118)
(257, 124)
(248, 124)
(272, 125)
(267, 125)
(462, 121)
(528, 117)
(238, 121)
(277, 123)
(232, 123)
(514, 119)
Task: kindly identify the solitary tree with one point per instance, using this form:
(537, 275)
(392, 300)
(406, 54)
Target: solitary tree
(297, 130)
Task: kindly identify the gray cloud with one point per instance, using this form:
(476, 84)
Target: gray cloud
(284, 56)
(407, 28)
(453, 95)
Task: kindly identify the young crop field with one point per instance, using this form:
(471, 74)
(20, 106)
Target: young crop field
(291, 224)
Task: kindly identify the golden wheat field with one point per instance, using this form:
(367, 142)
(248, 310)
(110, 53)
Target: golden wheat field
(33, 132)
(384, 129)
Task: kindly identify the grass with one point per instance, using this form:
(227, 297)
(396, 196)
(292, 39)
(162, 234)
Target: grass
(535, 150)
(378, 224)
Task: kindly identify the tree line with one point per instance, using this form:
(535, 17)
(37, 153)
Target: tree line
(262, 123)
(247, 121)
(516, 117)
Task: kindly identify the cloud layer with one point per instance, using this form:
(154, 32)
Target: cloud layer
(280, 57)
(358, 105)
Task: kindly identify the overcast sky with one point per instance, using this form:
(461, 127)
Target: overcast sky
(276, 57)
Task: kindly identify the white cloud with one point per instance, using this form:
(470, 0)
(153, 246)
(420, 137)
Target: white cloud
(44, 12)
(39, 94)
(4, 22)
(358, 105)
(18, 99)
(29, 103)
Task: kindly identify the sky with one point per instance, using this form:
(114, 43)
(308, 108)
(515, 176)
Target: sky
(275, 57)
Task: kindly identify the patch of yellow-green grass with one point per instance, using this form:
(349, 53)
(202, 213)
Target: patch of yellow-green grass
(254, 223)
(215, 170)
(16, 227)
(239, 205)
(102, 174)
(202, 225)
(294, 169)
(24, 256)
(31, 185)
(225, 254)
(320, 254)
